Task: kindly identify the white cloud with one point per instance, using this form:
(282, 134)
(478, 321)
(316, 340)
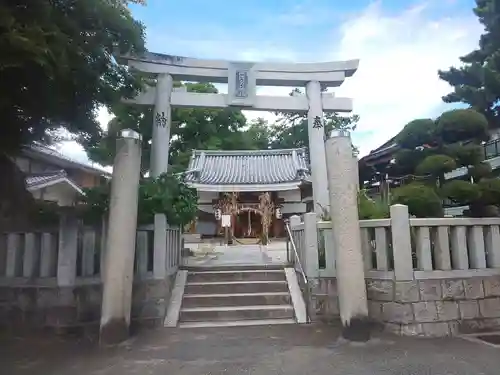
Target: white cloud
(399, 56)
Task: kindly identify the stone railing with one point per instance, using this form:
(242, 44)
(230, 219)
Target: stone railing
(53, 278)
(435, 276)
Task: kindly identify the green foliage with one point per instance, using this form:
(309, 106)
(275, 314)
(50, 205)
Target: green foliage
(461, 192)
(479, 171)
(465, 155)
(371, 208)
(477, 82)
(416, 133)
(436, 165)
(462, 125)
(407, 160)
(490, 191)
(167, 194)
(422, 200)
(56, 65)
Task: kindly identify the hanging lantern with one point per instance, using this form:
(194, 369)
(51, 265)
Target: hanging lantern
(278, 213)
(218, 214)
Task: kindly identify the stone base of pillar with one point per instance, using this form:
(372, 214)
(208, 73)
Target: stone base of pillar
(357, 329)
(114, 332)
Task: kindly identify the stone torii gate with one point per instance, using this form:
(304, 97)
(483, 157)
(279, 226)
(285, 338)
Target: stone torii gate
(242, 79)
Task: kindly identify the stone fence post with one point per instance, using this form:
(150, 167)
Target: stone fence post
(311, 255)
(401, 242)
(67, 249)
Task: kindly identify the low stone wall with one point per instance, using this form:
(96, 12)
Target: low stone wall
(435, 307)
(29, 307)
(422, 307)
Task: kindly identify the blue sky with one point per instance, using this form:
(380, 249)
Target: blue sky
(400, 43)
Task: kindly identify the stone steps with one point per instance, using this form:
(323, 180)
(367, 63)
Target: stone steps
(228, 287)
(242, 275)
(232, 313)
(236, 299)
(236, 296)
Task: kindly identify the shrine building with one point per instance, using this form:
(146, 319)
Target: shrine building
(246, 185)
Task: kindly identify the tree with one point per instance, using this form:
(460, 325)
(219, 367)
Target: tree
(477, 82)
(167, 194)
(291, 131)
(192, 128)
(56, 68)
(456, 143)
(56, 65)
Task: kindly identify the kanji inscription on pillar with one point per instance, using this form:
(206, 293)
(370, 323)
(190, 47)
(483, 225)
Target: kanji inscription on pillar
(317, 122)
(242, 83)
(160, 119)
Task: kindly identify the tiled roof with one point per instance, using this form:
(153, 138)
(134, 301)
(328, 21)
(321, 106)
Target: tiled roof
(247, 167)
(62, 161)
(42, 178)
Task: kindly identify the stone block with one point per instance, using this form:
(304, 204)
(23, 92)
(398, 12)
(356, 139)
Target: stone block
(156, 289)
(438, 329)
(454, 327)
(425, 311)
(406, 291)
(331, 287)
(47, 297)
(89, 313)
(332, 306)
(380, 290)
(66, 296)
(469, 309)
(139, 292)
(473, 288)
(412, 330)
(492, 286)
(11, 317)
(34, 319)
(26, 298)
(453, 289)
(490, 307)
(430, 290)
(153, 309)
(375, 311)
(61, 316)
(88, 295)
(7, 294)
(392, 328)
(479, 325)
(447, 310)
(318, 304)
(397, 312)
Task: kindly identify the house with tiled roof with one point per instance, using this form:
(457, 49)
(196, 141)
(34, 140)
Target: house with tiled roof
(245, 176)
(51, 176)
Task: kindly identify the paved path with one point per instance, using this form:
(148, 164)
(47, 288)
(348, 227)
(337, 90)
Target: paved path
(215, 255)
(291, 350)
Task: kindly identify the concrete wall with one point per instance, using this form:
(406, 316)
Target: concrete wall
(66, 309)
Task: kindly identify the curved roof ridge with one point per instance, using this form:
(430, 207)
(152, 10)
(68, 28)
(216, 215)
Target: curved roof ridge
(249, 152)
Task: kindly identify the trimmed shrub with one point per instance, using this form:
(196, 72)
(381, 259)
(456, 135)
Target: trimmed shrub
(461, 125)
(462, 192)
(422, 200)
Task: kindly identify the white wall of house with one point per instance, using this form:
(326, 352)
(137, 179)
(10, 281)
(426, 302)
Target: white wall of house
(62, 193)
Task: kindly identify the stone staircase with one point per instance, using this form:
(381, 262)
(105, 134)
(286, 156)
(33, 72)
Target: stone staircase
(238, 296)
